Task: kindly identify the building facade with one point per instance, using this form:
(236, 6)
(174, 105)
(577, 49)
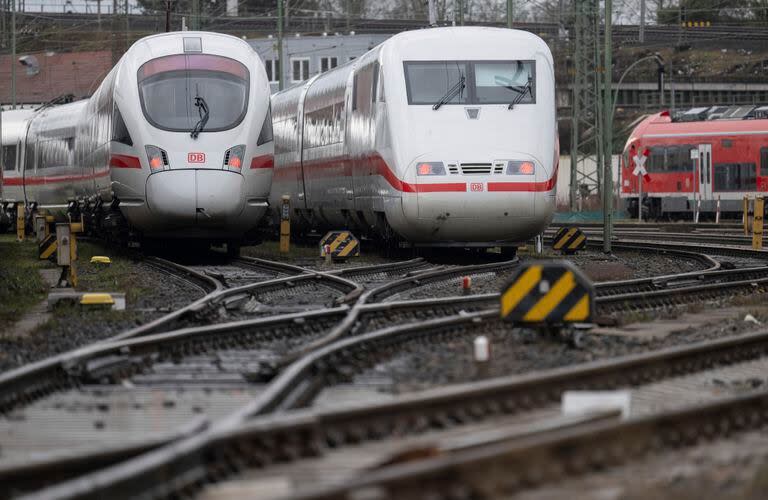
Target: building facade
(307, 56)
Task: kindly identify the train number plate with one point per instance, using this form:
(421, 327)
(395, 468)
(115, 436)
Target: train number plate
(195, 157)
(476, 186)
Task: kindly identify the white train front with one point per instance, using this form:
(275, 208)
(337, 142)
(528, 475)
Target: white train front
(176, 140)
(443, 136)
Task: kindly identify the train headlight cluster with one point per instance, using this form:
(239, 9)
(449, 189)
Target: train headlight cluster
(430, 168)
(233, 158)
(158, 158)
(520, 168)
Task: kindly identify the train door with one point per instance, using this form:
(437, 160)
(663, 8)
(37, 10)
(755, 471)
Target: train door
(363, 132)
(705, 173)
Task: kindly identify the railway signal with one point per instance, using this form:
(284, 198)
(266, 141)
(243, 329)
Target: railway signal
(547, 294)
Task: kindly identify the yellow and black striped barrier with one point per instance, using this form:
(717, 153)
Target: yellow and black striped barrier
(551, 293)
(47, 247)
(569, 240)
(339, 245)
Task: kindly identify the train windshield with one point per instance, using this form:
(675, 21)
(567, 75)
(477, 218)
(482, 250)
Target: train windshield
(487, 82)
(170, 86)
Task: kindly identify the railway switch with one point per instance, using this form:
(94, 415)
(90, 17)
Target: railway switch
(569, 240)
(341, 245)
(548, 294)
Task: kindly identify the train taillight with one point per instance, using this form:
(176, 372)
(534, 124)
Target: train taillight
(233, 157)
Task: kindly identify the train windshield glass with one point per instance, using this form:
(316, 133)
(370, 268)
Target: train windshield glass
(169, 85)
(429, 81)
(487, 82)
(504, 82)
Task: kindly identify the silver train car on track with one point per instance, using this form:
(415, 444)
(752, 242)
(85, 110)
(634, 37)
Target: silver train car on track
(437, 137)
(175, 143)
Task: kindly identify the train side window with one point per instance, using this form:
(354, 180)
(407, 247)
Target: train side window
(266, 135)
(726, 143)
(375, 83)
(381, 85)
(764, 161)
(361, 90)
(735, 177)
(656, 159)
(119, 130)
(9, 158)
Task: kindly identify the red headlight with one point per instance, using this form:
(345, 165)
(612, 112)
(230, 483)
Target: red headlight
(520, 168)
(233, 158)
(430, 168)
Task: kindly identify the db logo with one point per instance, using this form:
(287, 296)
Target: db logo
(476, 186)
(195, 157)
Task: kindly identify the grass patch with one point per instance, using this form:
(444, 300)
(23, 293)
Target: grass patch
(122, 275)
(21, 286)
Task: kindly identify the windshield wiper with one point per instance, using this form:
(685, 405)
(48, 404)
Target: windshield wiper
(526, 89)
(457, 87)
(202, 110)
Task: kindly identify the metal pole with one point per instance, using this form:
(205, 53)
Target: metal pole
(432, 13)
(461, 12)
(607, 134)
(13, 54)
(640, 198)
(195, 24)
(280, 44)
(127, 25)
(510, 12)
(641, 34)
(347, 7)
(167, 16)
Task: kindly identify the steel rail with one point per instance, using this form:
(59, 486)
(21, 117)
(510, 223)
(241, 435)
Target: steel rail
(545, 458)
(223, 450)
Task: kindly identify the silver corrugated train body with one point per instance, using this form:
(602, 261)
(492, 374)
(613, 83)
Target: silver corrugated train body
(176, 140)
(444, 136)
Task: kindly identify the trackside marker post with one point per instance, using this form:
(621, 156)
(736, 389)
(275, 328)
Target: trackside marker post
(482, 355)
(757, 223)
(20, 221)
(285, 224)
(745, 214)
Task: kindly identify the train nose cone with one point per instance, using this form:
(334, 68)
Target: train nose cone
(200, 198)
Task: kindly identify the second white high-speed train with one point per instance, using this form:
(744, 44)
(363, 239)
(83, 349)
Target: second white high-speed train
(440, 137)
(176, 142)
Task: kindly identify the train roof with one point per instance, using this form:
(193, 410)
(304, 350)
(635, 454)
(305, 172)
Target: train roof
(711, 121)
(13, 124)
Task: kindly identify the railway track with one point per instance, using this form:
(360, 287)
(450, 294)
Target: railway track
(271, 440)
(253, 358)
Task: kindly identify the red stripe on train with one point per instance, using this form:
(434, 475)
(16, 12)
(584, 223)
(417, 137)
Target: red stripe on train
(342, 167)
(264, 161)
(124, 161)
(51, 179)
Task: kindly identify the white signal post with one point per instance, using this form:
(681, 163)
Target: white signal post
(641, 174)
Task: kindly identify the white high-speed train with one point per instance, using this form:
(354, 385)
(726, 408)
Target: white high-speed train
(440, 137)
(12, 132)
(175, 143)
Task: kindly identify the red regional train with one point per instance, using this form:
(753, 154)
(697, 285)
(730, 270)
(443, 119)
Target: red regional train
(699, 156)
